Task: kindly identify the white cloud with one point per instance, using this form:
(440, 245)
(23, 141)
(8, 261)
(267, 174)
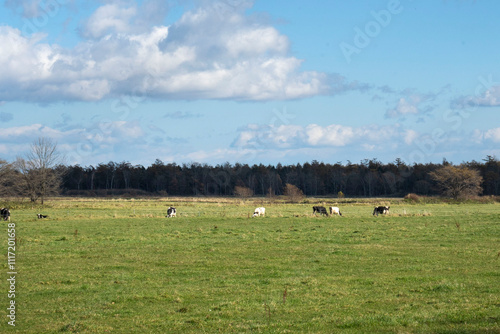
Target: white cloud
(493, 135)
(109, 18)
(414, 103)
(314, 135)
(81, 143)
(256, 41)
(124, 17)
(258, 136)
(113, 132)
(404, 107)
(204, 55)
(332, 135)
(410, 136)
(31, 132)
(490, 98)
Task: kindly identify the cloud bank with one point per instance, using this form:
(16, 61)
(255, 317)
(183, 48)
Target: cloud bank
(314, 135)
(106, 140)
(214, 51)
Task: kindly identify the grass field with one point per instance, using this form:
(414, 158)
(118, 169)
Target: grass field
(120, 266)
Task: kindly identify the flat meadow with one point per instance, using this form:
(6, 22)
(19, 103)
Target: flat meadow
(120, 266)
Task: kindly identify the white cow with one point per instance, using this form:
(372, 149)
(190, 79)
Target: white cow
(335, 211)
(259, 212)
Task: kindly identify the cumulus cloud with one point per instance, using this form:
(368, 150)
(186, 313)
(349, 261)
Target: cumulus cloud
(124, 18)
(410, 136)
(493, 135)
(413, 103)
(109, 18)
(490, 98)
(209, 53)
(313, 135)
(282, 136)
(332, 135)
(404, 107)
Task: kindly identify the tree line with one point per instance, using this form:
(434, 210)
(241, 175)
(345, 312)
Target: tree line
(369, 178)
(40, 174)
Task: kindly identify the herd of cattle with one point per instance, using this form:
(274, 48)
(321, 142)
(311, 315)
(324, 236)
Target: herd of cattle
(260, 211)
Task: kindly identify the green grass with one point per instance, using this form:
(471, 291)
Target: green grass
(120, 266)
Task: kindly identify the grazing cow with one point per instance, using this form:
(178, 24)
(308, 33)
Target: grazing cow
(335, 211)
(259, 212)
(40, 216)
(5, 213)
(381, 210)
(171, 212)
(320, 210)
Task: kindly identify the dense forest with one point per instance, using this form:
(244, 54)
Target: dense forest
(365, 179)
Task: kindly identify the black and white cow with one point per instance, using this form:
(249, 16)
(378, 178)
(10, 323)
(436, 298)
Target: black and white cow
(5, 213)
(171, 212)
(40, 216)
(335, 211)
(320, 210)
(383, 210)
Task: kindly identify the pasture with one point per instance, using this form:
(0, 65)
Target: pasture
(120, 266)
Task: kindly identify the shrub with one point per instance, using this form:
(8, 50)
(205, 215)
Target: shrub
(411, 197)
(243, 192)
(293, 193)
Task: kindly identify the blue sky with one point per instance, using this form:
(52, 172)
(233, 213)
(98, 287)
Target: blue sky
(251, 81)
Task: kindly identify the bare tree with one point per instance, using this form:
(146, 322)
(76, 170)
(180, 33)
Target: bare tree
(458, 182)
(38, 170)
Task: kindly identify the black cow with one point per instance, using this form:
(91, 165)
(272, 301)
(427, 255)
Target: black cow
(171, 212)
(40, 216)
(5, 213)
(320, 210)
(381, 210)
